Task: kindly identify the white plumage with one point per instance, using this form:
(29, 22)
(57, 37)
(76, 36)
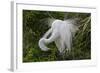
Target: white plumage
(61, 33)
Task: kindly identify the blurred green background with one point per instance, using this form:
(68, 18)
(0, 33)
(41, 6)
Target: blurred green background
(35, 24)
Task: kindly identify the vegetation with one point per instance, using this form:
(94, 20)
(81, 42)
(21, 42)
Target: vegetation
(35, 24)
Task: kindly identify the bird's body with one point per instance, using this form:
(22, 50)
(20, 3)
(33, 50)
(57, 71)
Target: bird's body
(61, 33)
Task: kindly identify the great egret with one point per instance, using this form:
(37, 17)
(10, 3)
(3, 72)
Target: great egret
(61, 32)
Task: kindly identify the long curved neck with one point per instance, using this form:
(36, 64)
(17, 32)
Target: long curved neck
(42, 41)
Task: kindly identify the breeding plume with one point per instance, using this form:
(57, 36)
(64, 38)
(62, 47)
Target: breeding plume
(61, 32)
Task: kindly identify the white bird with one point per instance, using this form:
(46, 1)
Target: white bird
(61, 33)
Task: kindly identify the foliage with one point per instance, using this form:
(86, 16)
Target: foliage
(35, 24)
